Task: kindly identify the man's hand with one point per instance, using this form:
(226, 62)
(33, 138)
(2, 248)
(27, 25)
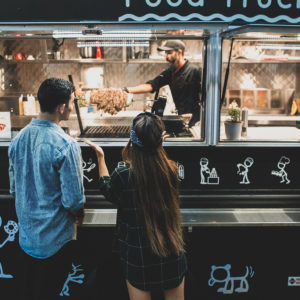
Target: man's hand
(79, 215)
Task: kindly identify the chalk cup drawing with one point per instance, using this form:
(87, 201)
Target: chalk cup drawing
(180, 171)
(282, 172)
(72, 277)
(121, 164)
(88, 167)
(238, 284)
(2, 275)
(243, 169)
(11, 228)
(208, 176)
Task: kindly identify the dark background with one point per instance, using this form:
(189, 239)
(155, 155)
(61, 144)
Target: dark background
(110, 11)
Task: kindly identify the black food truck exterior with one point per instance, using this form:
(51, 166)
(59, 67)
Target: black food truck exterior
(240, 195)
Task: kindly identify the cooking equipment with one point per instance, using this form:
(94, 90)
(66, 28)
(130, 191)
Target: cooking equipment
(88, 52)
(159, 105)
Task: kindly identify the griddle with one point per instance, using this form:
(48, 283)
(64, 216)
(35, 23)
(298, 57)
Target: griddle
(118, 131)
(115, 131)
(174, 127)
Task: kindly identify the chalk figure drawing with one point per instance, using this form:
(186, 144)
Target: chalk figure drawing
(281, 172)
(238, 284)
(2, 275)
(11, 228)
(208, 176)
(72, 277)
(243, 169)
(88, 167)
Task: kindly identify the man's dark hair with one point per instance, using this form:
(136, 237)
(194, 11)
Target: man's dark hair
(52, 92)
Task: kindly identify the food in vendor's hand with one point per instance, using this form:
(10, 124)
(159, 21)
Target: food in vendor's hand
(109, 100)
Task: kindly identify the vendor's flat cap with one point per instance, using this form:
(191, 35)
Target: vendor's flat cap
(172, 45)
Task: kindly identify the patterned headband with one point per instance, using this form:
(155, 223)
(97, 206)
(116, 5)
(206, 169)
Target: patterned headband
(133, 137)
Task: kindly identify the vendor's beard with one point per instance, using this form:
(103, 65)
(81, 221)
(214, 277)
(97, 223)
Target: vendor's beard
(171, 61)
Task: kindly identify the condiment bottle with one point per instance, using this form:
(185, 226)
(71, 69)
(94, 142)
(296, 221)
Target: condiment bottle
(31, 104)
(25, 106)
(245, 121)
(21, 111)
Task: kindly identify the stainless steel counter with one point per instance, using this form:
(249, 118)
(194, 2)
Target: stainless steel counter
(210, 217)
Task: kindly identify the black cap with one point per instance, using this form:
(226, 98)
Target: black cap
(172, 45)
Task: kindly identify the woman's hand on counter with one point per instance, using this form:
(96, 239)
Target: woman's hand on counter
(165, 136)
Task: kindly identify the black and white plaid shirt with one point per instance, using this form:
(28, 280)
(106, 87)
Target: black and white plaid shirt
(141, 267)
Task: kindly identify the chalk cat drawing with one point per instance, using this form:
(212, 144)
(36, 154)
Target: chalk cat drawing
(238, 284)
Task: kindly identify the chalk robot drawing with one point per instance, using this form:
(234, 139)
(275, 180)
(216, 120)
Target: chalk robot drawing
(88, 167)
(238, 284)
(72, 277)
(243, 169)
(281, 172)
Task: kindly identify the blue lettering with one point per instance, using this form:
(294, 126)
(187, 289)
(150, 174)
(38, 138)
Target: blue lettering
(260, 4)
(174, 4)
(153, 4)
(245, 3)
(284, 6)
(298, 3)
(199, 3)
(127, 3)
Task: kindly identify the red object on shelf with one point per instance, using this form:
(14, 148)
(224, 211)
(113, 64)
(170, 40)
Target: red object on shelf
(19, 56)
(98, 53)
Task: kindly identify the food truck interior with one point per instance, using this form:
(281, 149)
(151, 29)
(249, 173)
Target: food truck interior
(262, 67)
(101, 61)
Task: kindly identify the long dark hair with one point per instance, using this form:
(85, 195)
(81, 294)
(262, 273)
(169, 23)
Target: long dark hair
(156, 184)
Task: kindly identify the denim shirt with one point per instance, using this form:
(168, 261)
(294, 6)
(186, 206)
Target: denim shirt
(46, 179)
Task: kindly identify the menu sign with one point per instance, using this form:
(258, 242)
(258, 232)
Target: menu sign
(229, 11)
(5, 125)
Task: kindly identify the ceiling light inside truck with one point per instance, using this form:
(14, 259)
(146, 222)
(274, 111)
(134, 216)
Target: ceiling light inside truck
(278, 46)
(104, 35)
(122, 43)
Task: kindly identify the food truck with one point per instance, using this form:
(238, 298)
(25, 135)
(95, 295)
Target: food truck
(239, 192)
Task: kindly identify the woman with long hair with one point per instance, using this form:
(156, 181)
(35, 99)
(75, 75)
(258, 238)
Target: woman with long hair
(148, 233)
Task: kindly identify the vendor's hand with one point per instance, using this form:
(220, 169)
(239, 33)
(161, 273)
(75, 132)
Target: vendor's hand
(99, 150)
(165, 136)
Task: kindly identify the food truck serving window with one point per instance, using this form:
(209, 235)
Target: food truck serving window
(117, 74)
(261, 95)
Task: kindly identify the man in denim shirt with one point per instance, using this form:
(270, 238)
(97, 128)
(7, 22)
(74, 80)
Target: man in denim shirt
(46, 179)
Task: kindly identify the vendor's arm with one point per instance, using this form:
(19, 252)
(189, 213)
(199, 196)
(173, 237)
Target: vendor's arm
(152, 85)
(140, 89)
